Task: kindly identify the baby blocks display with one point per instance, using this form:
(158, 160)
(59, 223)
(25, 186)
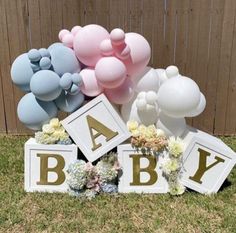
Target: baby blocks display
(96, 128)
(140, 173)
(207, 162)
(46, 165)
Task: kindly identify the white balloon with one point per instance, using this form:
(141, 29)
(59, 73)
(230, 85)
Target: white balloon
(200, 108)
(161, 75)
(170, 125)
(172, 71)
(178, 96)
(148, 80)
(139, 110)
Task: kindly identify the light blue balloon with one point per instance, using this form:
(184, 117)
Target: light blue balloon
(34, 55)
(45, 85)
(66, 81)
(76, 79)
(44, 52)
(54, 45)
(33, 113)
(69, 103)
(21, 72)
(45, 63)
(63, 60)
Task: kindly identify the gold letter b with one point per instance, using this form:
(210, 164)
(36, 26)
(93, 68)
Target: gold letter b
(44, 169)
(150, 169)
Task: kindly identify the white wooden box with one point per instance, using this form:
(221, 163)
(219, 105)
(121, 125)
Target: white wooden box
(96, 128)
(207, 162)
(128, 178)
(46, 165)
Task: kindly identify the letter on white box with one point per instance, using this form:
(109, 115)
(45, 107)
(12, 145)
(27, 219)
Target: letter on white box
(140, 173)
(46, 165)
(96, 128)
(207, 162)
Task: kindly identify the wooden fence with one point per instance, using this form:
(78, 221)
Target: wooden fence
(199, 36)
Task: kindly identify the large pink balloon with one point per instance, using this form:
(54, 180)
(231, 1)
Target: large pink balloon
(140, 53)
(122, 94)
(87, 43)
(90, 85)
(110, 72)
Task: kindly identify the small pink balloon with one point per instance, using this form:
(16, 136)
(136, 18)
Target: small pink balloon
(67, 40)
(122, 94)
(75, 30)
(87, 43)
(140, 53)
(117, 36)
(62, 33)
(106, 48)
(90, 86)
(110, 72)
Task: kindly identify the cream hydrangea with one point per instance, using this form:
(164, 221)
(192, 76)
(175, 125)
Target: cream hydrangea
(55, 123)
(48, 129)
(132, 125)
(175, 146)
(149, 132)
(170, 165)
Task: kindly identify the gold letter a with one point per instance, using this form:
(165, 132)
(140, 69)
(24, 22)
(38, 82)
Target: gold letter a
(101, 130)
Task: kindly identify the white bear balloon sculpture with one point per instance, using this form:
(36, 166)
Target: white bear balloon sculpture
(90, 61)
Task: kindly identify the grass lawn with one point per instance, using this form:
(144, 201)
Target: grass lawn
(40, 212)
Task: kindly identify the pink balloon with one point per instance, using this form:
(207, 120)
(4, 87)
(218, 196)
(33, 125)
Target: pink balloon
(140, 53)
(67, 40)
(90, 85)
(87, 43)
(110, 72)
(122, 94)
(106, 48)
(75, 30)
(62, 33)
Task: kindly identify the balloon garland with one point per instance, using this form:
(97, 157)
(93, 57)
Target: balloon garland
(90, 61)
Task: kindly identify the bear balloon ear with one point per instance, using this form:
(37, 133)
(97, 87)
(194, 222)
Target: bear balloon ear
(117, 37)
(172, 71)
(122, 50)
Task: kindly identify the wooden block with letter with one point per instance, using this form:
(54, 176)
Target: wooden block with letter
(96, 128)
(46, 165)
(140, 173)
(207, 162)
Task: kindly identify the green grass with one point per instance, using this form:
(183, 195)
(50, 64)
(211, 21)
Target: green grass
(40, 212)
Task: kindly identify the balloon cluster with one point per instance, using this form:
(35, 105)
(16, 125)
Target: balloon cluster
(51, 78)
(91, 61)
(112, 60)
(164, 98)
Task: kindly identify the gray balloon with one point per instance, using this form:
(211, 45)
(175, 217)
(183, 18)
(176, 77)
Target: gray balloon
(69, 103)
(45, 85)
(21, 72)
(63, 60)
(33, 113)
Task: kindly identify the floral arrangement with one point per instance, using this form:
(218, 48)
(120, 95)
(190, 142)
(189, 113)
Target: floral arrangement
(152, 141)
(172, 164)
(147, 139)
(87, 180)
(53, 133)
